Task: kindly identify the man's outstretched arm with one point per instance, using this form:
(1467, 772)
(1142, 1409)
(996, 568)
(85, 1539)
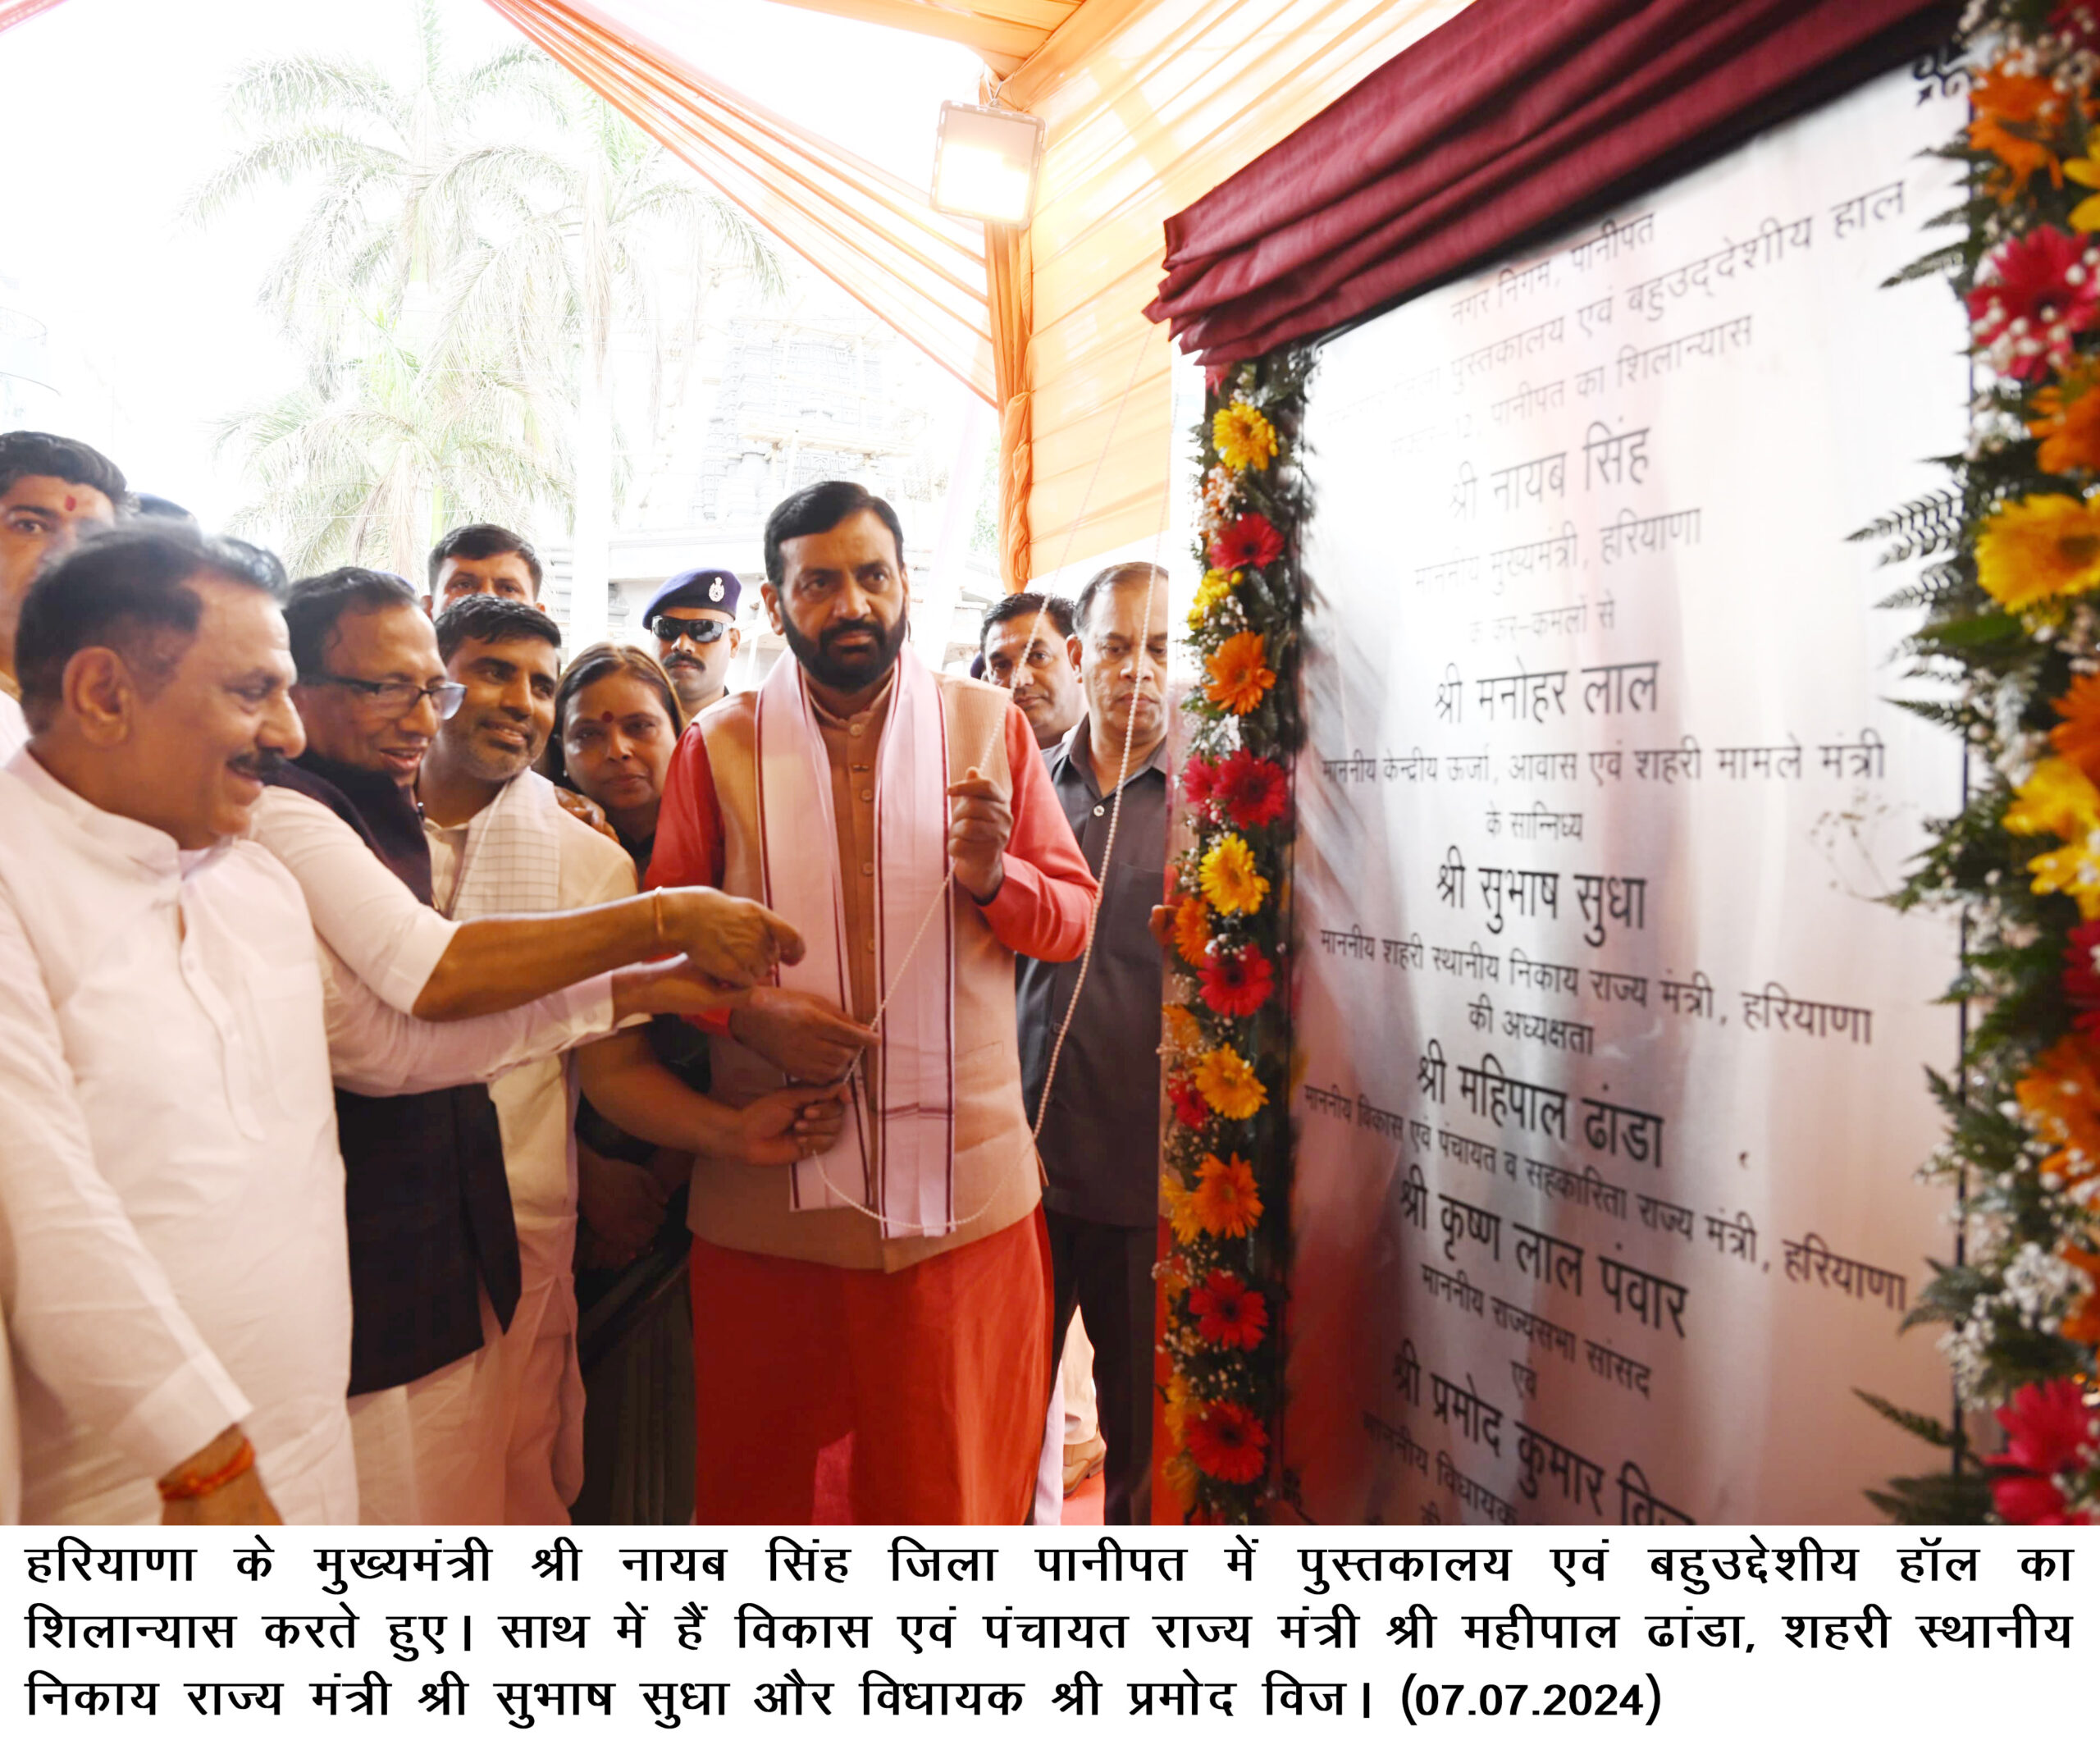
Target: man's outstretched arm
(422, 965)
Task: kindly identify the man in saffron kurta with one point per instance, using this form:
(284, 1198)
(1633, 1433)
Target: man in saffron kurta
(884, 1305)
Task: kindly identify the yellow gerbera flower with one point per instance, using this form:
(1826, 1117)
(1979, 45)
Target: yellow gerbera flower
(1217, 585)
(2058, 799)
(1174, 1409)
(2073, 870)
(1225, 1200)
(2085, 172)
(1230, 880)
(1180, 1207)
(2040, 548)
(1229, 1085)
(1245, 438)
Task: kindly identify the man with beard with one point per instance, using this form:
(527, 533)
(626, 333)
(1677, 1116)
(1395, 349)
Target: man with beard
(693, 617)
(1026, 640)
(52, 490)
(891, 1287)
(500, 844)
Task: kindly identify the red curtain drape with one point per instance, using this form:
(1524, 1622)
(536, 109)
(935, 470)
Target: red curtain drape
(1512, 117)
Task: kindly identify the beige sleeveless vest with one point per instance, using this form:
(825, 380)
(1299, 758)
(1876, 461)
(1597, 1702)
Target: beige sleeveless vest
(744, 1206)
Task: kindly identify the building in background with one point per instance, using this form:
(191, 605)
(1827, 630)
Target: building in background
(780, 392)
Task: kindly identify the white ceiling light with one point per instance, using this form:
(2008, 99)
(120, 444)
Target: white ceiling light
(984, 163)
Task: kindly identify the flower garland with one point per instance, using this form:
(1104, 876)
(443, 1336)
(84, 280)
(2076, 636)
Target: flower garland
(1226, 1168)
(2011, 622)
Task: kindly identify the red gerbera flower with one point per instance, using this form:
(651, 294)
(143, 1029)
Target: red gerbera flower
(2082, 977)
(1251, 790)
(1250, 543)
(2049, 1430)
(1189, 1109)
(2040, 294)
(1228, 1442)
(1237, 985)
(2077, 20)
(1227, 1313)
(1198, 781)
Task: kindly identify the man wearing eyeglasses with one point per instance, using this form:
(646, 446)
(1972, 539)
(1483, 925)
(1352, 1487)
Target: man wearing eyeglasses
(693, 617)
(435, 1270)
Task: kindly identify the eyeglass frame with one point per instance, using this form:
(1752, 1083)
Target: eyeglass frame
(689, 628)
(444, 695)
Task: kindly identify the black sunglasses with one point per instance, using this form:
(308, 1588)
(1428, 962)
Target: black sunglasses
(703, 631)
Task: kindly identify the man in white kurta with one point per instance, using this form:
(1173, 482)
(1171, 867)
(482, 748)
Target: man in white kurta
(501, 844)
(173, 1271)
(172, 1193)
(532, 1381)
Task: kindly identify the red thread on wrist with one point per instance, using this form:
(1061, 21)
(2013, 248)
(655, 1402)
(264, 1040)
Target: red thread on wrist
(189, 1490)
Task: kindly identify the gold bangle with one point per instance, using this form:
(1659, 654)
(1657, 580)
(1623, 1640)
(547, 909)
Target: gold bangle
(656, 917)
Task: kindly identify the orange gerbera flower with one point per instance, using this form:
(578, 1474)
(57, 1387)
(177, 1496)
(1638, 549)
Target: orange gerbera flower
(2011, 110)
(2083, 1321)
(2069, 426)
(1239, 674)
(1192, 928)
(1178, 1028)
(1226, 1201)
(2079, 738)
(2060, 1098)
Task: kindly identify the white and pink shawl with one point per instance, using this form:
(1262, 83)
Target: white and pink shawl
(905, 1093)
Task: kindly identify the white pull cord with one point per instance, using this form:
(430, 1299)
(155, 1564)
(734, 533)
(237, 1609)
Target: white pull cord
(855, 1077)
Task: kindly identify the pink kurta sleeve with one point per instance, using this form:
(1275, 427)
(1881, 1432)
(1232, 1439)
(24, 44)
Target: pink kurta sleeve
(1040, 909)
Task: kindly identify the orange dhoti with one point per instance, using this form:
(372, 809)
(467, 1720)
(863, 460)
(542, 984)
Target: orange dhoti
(939, 1372)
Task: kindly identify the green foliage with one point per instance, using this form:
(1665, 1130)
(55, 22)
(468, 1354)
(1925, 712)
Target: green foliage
(1267, 600)
(476, 233)
(2000, 1306)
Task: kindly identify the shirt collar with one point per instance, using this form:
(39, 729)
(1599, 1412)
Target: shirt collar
(151, 851)
(877, 703)
(1075, 752)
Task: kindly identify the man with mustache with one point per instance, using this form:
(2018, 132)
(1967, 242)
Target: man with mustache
(1026, 640)
(501, 844)
(172, 1258)
(435, 1271)
(1101, 1132)
(693, 617)
(891, 1288)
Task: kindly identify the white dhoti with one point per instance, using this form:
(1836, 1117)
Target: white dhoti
(496, 1437)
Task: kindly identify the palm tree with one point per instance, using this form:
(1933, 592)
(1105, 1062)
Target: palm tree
(615, 235)
(368, 460)
(407, 171)
(501, 227)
